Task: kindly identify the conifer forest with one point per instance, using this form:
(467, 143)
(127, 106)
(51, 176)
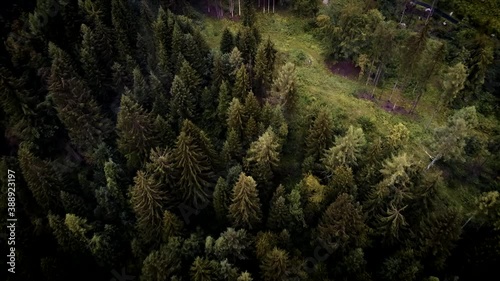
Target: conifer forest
(239, 140)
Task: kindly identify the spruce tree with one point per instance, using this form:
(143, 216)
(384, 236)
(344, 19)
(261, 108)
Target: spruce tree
(320, 135)
(203, 270)
(276, 265)
(42, 180)
(182, 105)
(235, 116)
(284, 89)
(74, 103)
(279, 215)
(342, 226)
(244, 210)
(224, 99)
(136, 132)
(148, 199)
(171, 226)
(232, 148)
(227, 41)
(193, 172)
(221, 199)
(160, 264)
(346, 150)
(242, 84)
(263, 155)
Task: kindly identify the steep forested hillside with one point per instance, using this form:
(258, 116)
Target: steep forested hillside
(250, 140)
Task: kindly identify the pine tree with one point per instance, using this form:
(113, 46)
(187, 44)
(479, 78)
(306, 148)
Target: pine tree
(297, 219)
(141, 91)
(111, 198)
(235, 116)
(320, 135)
(176, 47)
(74, 103)
(124, 27)
(182, 104)
(346, 150)
(203, 270)
(252, 107)
(147, 199)
(242, 84)
(232, 148)
(398, 137)
(160, 264)
(90, 60)
(244, 210)
(279, 215)
(227, 41)
(276, 265)
(284, 89)
(224, 99)
(171, 227)
(232, 245)
(42, 180)
(263, 155)
(342, 181)
(221, 199)
(201, 139)
(342, 226)
(136, 132)
(251, 131)
(193, 172)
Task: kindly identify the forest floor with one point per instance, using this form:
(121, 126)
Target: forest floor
(320, 84)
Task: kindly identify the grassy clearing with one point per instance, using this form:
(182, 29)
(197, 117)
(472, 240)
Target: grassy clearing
(316, 83)
(318, 86)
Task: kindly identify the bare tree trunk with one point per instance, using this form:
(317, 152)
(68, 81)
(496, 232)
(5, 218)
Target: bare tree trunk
(369, 74)
(231, 8)
(268, 5)
(375, 81)
(273, 5)
(420, 94)
(393, 89)
(403, 13)
(239, 8)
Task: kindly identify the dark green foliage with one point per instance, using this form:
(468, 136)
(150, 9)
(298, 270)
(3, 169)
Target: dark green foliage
(227, 41)
(147, 199)
(320, 135)
(245, 208)
(192, 170)
(221, 199)
(42, 180)
(136, 132)
(138, 149)
(160, 265)
(342, 226)
(275, 265)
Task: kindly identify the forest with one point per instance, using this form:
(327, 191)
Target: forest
(224, 140)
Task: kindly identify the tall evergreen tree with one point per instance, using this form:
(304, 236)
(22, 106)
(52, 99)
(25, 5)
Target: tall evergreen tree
(242, 84)
(346, 150)
(136, 132)
(320, 135)
(263, 155)
(221, 199)
(42, 180)
(342, 226)
(147, 199)
(244, 210)
(75, 106)
(227, 41)
(276, 265)
(193, 172)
